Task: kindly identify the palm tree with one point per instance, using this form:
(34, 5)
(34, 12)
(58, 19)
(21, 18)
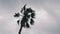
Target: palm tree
(28, 14)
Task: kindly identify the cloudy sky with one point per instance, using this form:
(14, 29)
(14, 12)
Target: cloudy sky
(47, 19)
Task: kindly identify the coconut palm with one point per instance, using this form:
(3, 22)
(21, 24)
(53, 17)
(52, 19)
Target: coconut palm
(28, 14)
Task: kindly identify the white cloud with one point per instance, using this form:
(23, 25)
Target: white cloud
(1, 17)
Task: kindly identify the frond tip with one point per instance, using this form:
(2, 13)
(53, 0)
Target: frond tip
(16, 15)
(18, 21)
(31, 21)
(33, 15)
(27, 25)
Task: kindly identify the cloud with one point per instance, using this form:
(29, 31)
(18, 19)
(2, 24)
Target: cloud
(52, 7)
(1, 17)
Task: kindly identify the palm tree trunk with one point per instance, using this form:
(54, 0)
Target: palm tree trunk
(20, 30)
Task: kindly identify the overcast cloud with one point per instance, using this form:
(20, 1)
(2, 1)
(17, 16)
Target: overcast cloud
(47, 19)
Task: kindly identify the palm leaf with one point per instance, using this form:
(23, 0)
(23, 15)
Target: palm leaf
(24, 8)
(33, 15)
(18, 21)
(16, 15)
(27, 25)
(31, 21)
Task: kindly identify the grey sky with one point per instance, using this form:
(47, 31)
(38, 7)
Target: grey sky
(47, 16)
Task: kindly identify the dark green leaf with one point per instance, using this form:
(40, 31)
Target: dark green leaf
(27, 25)
(33, 15)
(31, 22)
(16, 15)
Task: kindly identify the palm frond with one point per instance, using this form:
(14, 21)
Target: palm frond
(18, 21)
(16, 15)
(33, 15)
(27, 25)
(24, 8)
(31, 21)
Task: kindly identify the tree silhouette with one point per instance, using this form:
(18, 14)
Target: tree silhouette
(28, 14)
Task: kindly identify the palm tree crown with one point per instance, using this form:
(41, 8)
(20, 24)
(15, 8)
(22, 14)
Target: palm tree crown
(28, 14)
